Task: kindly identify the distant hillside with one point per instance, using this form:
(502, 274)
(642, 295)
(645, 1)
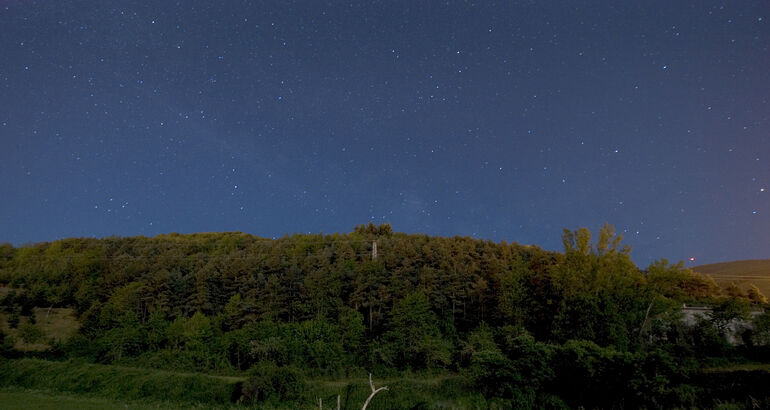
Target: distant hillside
(742, 273)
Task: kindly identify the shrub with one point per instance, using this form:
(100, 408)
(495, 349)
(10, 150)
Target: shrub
(267, 381)
(761, 334)
(517, 372)
(6, 343)
(589, 375)
(30, 333)
(13, 321)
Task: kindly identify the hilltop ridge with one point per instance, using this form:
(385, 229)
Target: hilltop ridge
(742, 273)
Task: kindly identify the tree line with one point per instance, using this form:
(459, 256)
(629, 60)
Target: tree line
(517, 320)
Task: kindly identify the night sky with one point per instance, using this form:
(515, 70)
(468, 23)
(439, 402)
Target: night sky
(502, 121)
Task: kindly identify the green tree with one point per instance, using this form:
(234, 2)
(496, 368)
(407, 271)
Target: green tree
(490, 371)
(370, 291)
(198, 331)
(588, 269)
(414, 336)
(677, 282)
(233, 313)
(267, 382)
(126, 339)
(603, 297)
(175, 332)
(156, 329)
(351, 331)
(512, 293)
(272, 301)
(125, 299)
(517, 369)
(755, 295)
(321, 345)
(761, 334)
(728, 310)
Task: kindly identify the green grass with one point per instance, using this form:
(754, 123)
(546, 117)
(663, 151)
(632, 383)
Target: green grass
(447, 391)
(86, 385)
(13, 398)
(56, 323)
(117, 383)
(739, 367)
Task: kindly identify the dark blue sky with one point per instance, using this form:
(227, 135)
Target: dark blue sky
(499, 121)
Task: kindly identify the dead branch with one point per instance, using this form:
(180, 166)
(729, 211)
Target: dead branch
(374, 391)
(366, 403)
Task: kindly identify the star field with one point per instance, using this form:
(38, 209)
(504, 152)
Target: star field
(500, 121)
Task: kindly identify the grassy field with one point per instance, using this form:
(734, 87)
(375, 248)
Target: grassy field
(34, 383)
(117, 383)
(742, 273)
(55, 323)
(15, 398)
(740, 367)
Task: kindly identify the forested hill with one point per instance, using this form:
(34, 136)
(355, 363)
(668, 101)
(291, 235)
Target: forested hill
(518, 322)
(292, 278)
(243, 278)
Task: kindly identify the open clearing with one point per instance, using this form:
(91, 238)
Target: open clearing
(55, 323)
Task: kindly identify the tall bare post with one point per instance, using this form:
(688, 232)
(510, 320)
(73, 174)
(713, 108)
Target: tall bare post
(374, 250)
(321, 403)
(374, 391)
(646, 315)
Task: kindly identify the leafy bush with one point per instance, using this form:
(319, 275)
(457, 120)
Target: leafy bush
(747, 386)
(6, 343)
(660, 380)
(516, 372)
(269, 382)
(761, 334)
(30, 333)
(596, 377)
(13, 321)
(589, 375)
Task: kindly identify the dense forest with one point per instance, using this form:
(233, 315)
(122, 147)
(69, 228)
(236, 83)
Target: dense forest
(522, 326)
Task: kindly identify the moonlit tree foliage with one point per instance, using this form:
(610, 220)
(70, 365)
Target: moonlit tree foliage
(510, 318)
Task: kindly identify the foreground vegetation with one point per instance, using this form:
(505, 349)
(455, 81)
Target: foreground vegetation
(15, 398)
(232, 319)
